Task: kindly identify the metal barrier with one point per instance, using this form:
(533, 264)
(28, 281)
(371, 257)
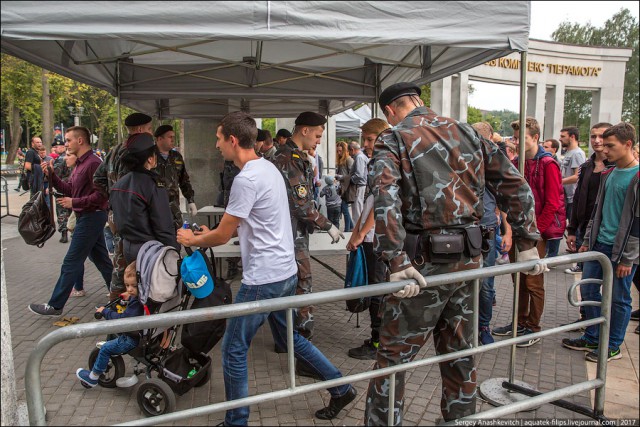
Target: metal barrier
(33, 385)
(5, 190)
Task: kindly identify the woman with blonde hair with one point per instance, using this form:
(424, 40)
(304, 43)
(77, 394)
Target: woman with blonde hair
(344, 162)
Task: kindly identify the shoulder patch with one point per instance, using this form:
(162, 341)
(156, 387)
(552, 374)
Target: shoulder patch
(160, 183)
(301, 191)
(178, 162)
(295, 155)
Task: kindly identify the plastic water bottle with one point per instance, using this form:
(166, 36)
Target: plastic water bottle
(185, 225)
(192, 372)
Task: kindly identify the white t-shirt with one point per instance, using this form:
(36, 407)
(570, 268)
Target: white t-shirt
(259, 197)
(572, 160)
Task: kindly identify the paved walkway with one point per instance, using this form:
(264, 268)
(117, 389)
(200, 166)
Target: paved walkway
(31, 274)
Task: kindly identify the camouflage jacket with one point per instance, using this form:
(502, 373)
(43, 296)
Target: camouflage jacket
(110, 170)
(429, 174)
(176, 179)
(61, 169)
(298, 177)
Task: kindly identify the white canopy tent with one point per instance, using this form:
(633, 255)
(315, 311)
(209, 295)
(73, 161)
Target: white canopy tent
(270, 58)
(348, 122)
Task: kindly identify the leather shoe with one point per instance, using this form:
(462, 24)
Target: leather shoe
(64, 238)
(302, 370)
(336, 404)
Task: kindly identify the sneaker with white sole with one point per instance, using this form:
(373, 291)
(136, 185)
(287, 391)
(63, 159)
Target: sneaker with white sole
(579, 344)
(529, 343)
(611, 355)
(503, 331)
(44, 310)
(576, 269)
(85, 378)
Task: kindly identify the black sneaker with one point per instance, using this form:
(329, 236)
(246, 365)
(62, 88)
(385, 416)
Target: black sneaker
(578, 329)
(579, 344)
(637, 331)
(366, 351)
(635, 315)
(612, 355)
(336, 404)
(507, 330)
(529, 343)
(44, 310)
(576, 269)
(485, 336)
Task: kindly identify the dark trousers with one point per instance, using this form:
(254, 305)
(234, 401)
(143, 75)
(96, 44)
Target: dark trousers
(376, 273)
(88, 241)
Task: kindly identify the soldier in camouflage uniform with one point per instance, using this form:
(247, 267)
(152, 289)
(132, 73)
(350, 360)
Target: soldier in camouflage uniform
(63, 172)
(109, 171)
(172, 169)
(428, 179)
(292, 162)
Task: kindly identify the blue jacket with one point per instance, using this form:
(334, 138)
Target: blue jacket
(134, 308)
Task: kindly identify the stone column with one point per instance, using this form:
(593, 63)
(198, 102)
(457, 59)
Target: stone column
(441, 97)
(204, 162)
(606, 105)
(535, 105)
(554, 113)
(459, 96)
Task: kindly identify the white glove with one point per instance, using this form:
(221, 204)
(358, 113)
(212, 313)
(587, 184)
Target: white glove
(410, 290)
(335, 234)
(193, 210)
(530, 255)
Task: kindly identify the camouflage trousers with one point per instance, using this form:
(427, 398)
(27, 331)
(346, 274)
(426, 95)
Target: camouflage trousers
(447, 312)
(304, 315)
(63, 217)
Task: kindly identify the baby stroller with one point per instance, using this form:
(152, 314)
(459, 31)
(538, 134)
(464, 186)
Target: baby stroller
(168, 369)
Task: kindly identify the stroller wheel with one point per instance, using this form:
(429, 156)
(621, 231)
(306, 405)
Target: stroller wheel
(155, 397)
(115, 369)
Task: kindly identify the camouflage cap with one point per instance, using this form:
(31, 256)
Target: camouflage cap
(397, 90)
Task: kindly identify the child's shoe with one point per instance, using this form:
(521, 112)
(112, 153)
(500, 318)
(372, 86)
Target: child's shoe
(85, 378)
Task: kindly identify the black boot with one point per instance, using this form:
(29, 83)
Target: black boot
(64, 238)
(336, 404)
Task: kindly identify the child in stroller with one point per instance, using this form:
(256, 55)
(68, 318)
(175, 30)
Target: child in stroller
(122, 343)
(179, 369)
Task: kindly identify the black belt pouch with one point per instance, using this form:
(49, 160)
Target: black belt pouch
(445, 248)
(473, 237)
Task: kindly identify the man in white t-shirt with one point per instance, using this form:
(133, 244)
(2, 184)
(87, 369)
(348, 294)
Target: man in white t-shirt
(573, 158)
(259, 210)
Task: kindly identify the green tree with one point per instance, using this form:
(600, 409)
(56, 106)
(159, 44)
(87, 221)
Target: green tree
(621, 30)
(474, 115)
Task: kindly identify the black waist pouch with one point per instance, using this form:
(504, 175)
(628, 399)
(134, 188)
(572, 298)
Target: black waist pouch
(473, 237)
(446, 248)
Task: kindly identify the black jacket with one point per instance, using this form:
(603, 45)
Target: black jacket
(579, 215)
(141, 210)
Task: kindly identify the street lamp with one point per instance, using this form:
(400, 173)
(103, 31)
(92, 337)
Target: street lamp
(76, 113)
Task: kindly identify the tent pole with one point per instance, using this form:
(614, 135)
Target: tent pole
(118, 102)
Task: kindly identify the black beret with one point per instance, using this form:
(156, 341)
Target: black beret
(309, 118)
(262, 135)
(57, 141)
(136, 119)
(397, 90)
(162, 130)
(139, 142)
(283, 132)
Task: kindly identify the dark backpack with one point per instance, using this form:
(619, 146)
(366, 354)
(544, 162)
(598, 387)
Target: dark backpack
(201, 337)
(357, 276)
(36, 224)
(24, 180)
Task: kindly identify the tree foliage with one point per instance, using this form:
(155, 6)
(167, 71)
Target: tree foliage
(621, 30)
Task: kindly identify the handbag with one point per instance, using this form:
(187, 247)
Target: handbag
(357, 276)
(35, 223)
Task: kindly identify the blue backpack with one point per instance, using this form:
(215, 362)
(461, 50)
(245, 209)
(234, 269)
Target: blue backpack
(357, 276)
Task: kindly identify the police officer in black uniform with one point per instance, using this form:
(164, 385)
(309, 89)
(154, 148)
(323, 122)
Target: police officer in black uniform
(139, 199)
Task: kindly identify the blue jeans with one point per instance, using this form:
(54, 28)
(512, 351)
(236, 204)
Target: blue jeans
(120, 345)
(348, 222)
(552, 248)
(620, 304)
(88, 241)
(241, 330)
(487, 291)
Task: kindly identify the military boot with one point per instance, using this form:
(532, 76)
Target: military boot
(64, 238)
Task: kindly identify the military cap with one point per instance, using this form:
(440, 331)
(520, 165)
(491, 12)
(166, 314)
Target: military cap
(309, 118)
(136, 119)
(57, 141)
(397, 90)
(284, 133)
(162, 130)
(139, 142)
(262, 135)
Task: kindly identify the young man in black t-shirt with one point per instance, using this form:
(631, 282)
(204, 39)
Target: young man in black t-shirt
(31, 159)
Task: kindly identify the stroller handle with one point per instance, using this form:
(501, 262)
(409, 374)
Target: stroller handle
(98, 315)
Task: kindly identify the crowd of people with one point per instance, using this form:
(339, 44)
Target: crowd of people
(423, 195)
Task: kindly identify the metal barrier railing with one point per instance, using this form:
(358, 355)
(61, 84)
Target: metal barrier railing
(33, 386)
(5, 190)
